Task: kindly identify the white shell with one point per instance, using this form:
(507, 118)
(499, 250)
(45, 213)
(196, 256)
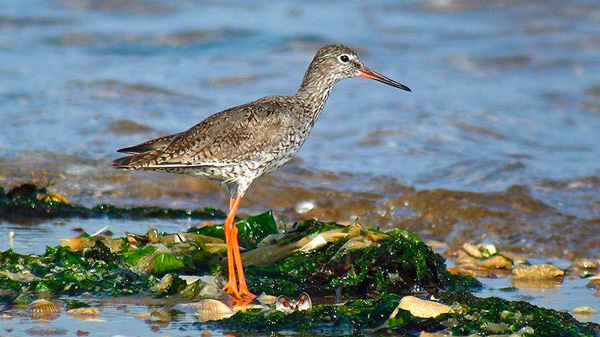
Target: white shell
(212, 310)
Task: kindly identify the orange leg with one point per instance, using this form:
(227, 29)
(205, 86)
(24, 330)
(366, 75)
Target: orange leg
(233, 237)
(231, 287)
(243, 287)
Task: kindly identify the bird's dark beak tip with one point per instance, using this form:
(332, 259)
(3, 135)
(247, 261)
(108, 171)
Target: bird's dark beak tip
(369, 73)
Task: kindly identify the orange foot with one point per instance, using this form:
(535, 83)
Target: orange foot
(231, 289)
(244, 290)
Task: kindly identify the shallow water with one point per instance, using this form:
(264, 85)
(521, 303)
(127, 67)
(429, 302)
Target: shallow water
(504, 93)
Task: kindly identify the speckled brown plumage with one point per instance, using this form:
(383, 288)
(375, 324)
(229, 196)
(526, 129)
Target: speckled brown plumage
(237, 145)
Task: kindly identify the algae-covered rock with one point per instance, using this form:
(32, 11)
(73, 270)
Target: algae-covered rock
(394, 262)
(477, 315)
(30, 201)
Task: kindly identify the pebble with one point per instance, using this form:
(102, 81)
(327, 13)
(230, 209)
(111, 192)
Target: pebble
(584, 264)
(421, 308)
(466, 259)
(496, 261)
(536, 272)
(84, 313)
(472, 251)
(304, 207)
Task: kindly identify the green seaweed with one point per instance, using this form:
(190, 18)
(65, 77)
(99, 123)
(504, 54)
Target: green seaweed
(479, 315)
(399, 265)
(30, 201)
(61, 271)
(333, 319)
(250, 230)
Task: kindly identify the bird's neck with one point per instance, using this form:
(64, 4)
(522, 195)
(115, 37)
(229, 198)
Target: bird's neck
(314, 90)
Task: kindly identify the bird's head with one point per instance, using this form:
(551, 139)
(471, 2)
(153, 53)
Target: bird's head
(341, 62)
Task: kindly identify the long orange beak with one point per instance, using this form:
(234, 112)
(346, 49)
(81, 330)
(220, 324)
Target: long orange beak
(368, 73)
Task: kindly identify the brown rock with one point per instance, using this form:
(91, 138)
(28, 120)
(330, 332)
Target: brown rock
(536, 272)
(496, 262)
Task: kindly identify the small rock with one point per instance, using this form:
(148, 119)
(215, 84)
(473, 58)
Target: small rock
(584, 310)
(304, 207)
(496, 261)
(517, 259)
(84, 313)
(584, 264)
(465, 259)
(540, 271)
(472, 251)
(421, 308)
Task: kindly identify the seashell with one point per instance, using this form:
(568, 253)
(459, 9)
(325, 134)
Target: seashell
(84, 313)
(303, 302)
(304, 207)
(55, 197)
(44, 309)
(267, 299)
(212, 310)
(152, 235)
(421, 308)
(284, 304)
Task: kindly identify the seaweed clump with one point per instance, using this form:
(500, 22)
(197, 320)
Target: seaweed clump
(495, 316)
(62, 271)
(325, 258)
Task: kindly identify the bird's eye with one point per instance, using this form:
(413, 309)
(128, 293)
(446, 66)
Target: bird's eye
(344, 58)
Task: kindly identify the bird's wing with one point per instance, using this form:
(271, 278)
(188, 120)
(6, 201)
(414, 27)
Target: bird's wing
(153, 144)
(253, 131)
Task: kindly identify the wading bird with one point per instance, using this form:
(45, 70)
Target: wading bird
(238, 145)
